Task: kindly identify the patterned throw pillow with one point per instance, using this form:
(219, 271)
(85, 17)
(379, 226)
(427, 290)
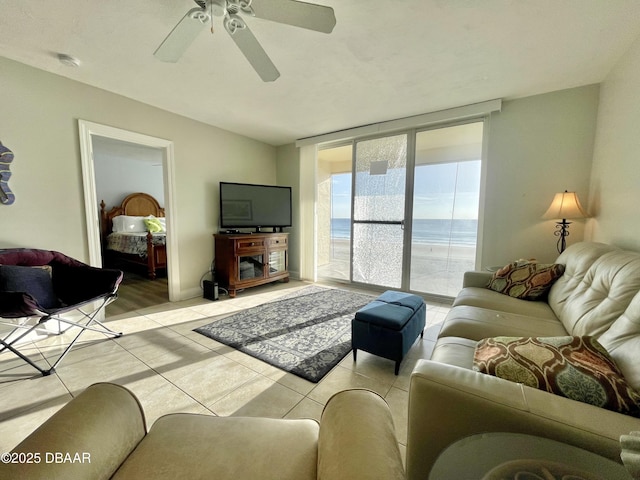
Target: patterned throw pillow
(578, 368)
(528, 281)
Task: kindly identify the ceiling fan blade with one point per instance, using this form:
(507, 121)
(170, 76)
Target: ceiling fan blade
(299, 14)
(182, 35)
(255, 54)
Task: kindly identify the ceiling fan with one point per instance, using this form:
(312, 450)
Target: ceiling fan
(291, 12)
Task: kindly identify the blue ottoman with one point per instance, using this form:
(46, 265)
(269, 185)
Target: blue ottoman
(388, 326)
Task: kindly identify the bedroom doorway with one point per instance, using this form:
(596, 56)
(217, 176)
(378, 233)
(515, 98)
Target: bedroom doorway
(92, 135)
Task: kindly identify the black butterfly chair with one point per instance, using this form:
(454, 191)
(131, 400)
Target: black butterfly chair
(46, 284)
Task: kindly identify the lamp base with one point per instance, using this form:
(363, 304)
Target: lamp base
(562, 231)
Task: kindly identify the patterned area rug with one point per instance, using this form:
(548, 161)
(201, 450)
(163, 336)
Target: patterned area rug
(306, 333)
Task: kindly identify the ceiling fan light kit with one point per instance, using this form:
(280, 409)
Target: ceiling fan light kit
(310, 16)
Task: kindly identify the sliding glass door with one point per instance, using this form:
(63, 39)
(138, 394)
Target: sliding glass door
(379, 211)
(445, 207)
(412, 219)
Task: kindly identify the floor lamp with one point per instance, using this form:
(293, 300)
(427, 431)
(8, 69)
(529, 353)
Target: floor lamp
(564, 205)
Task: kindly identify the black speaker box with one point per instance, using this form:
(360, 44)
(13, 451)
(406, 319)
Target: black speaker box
(210, 290)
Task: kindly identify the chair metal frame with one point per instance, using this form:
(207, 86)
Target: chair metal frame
(91, 319)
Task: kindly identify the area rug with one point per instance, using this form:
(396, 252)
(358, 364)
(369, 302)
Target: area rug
(306, 333)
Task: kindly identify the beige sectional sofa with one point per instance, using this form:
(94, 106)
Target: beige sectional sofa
(101, 434)
(597, 295)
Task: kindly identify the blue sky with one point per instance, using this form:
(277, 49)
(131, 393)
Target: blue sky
(439, 188)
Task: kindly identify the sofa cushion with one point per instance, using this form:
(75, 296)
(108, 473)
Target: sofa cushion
(526, 280)
(35, 281)
(578, 368)
(577, 260)
(455, 351)
(602, 295)
(477, 323)
(485, 298)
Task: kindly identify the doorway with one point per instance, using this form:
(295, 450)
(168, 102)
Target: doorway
(88, 133)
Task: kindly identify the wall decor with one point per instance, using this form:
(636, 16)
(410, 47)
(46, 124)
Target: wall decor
(6, 157)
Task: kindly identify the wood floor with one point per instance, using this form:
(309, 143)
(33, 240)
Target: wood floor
(137, 291)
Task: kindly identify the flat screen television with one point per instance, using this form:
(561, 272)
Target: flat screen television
(244, 205)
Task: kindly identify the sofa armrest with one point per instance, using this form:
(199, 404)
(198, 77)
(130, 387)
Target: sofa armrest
(357, 439)
(448, 403)
(476, 278)
(98, 429)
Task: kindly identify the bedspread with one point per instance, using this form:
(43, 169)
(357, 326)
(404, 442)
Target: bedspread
(133, 243)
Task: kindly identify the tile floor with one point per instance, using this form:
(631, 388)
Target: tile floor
(173, 369)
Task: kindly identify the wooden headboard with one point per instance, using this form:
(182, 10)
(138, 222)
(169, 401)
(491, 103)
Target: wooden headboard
(136, 205)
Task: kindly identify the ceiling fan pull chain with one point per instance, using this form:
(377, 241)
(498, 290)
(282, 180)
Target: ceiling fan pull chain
(211, 15)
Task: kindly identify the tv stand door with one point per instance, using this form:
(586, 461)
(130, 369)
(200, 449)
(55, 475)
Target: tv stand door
(244, 261)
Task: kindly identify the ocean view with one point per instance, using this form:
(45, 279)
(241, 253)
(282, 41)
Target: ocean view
(425, 231)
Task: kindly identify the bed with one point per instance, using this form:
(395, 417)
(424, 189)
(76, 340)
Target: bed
(135, 233)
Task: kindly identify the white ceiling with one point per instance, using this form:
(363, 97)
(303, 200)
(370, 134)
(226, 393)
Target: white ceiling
(385, 59)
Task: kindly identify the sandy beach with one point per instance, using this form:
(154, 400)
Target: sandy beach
(436, 269)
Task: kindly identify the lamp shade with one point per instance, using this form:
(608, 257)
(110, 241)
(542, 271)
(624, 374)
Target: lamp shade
(565, 205)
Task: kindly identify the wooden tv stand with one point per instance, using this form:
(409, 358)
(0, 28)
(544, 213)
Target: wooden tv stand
(246, 260)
